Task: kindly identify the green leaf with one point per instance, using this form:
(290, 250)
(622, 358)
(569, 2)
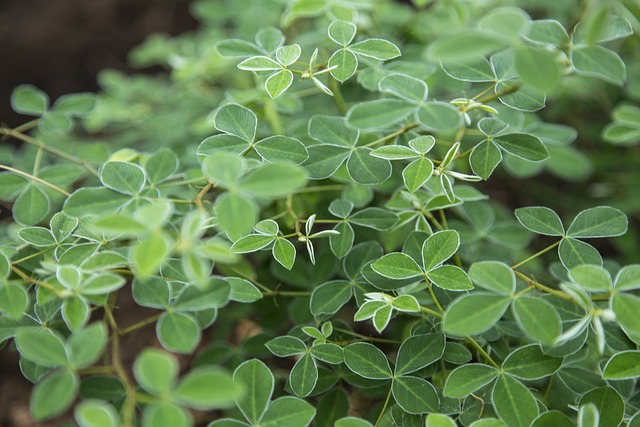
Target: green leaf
(573, 253)
(397, 266)
(437, 420)
(178, 332)
(236, 214)
(287, 55)
(352, 422)
(54, 394)
(523, 145)
(381, 318)
(278, 83)
(415, 395)
(540, 220)
(333, 131)
(329, 297)
(270, 38)
(147, 255)
(471, 70)
(286, 345)
(28, 99)
(378, 114)
(628, 278)
(608, 402)
(329, 353)
(342, 32)
(224, 143)
(548, 31)
(288, 412)
(237, 120)
(11, 184)
(537, 318)
(156, 371)
(419, 351)
(42, 347)
(62, 226)
(463, 46)
(273, 180)
(303, 376)
(214, 293)
(75, 312)
(123, 177)
(376, 218)
(588, 415)
(466, 379)
(537, 67)
(284, 252)
(417, 173)
(376, 48)
(341, 244)
(165, 415)
(345, 63)
(367, 361)
(395, 152)
(94, 201)
(530, 363)
(553, 419)
(259, 382)
(493, 276)
(5, 266)
(242, 290)
(439, 117)
(324, 160)
(14, 299)
(513, 402)
(208, 388)
(473, 314)
(85, 346)
(95, 413)
(252, 243)
(450, 277)
(622, 366)
(626, 307)
(366, 169)
(592, 278)
(601, 221)
(406, 303)
(403, 86)
(600, 62)
(153, 292)
(439, 247)
(281, 148)
(484, 158)
(76, 104)
(55, 122)
(223, 168)
(259, 63)
(31, 206)
(525, 98)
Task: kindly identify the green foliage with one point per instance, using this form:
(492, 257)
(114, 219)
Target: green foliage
(299, 205)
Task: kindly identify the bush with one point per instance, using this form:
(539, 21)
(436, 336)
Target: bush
(316, 203)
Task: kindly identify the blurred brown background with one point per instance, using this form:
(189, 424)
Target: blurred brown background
(60, 45)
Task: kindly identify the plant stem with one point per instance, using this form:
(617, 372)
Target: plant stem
(365, 337)
(334, 85)
(542, 287)
(35, 178)
(537, 254)
(140, 324)
(481, 350)
(55, 151)
(384, 407)
(431, 312)
(392, 135)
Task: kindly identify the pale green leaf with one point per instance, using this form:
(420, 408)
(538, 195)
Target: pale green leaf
(474, 313)
(439, 247)
(601, 221)
(287, 55)
(623, 365)
(419, 351)
(537, 318)
(28, 99)
(236, 120)
(278, 83)
(155, 370)
(367, 361)
(252, 243)
(406, 87)
(148, 254)
(537, 67)
(259, 382)
(284, 252)
(329, 297)
(397, 266)
(31, 206)
(42, 347)
(450, 277)
(273, 180)
(417, 173)
(591, 278)
(54, 394)
(523, 145)
(378, 114)
(531, 363)
(415, 395)
(344, 64)
(259, 63)
(236, 214)
(208, 388)
(94, 201)
(281, 148)
(468, 378)
(439, 116)
(376, 48)
(540, 220)
(342, 32)
(123, 177)
(96, 413)
(513, 402)
(288, 412)
(303, 376)
(574, 252)
(366, 169)
(600, 62)
(493, 276)
(178, 332)
(484, 158)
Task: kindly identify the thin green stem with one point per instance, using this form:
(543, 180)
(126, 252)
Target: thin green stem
(542, 287)
(392, 135)
(140, 324)
(334, 85)
(35, 178)
(286, 293)
(536, 255)
(384, 407)
(481, 350)
(55, 151)
(366, 337)
(430, 312)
